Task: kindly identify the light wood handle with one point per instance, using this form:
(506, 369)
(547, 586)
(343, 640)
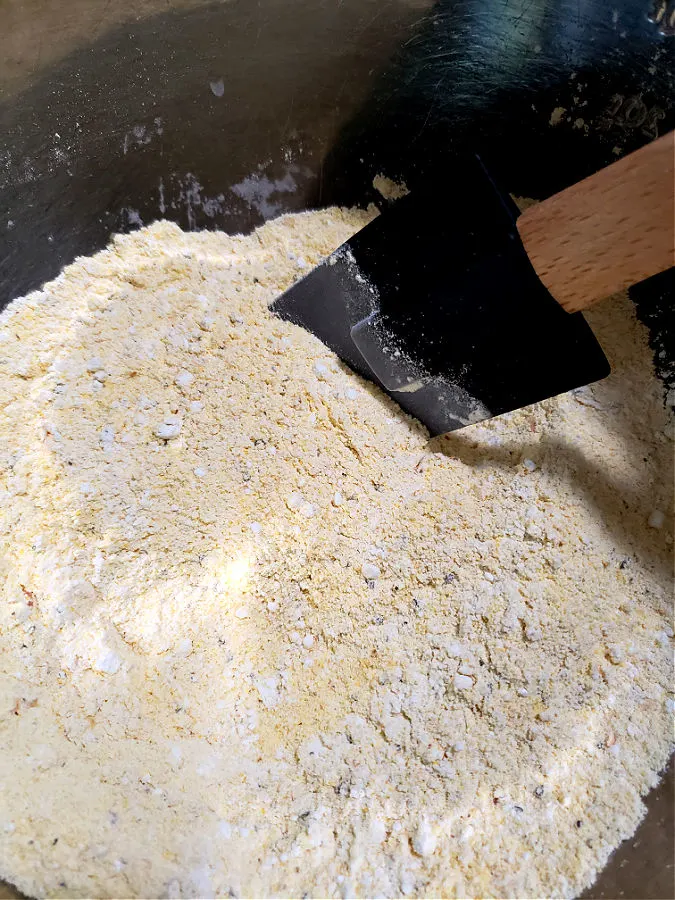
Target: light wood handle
(608, 231)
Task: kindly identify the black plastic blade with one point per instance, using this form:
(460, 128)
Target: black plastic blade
(437, 302)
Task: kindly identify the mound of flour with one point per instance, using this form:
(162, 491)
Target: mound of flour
(260, 637)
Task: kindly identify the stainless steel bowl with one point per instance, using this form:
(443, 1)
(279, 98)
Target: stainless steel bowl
(223, 114)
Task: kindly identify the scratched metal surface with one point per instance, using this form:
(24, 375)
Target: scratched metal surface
(222, 114)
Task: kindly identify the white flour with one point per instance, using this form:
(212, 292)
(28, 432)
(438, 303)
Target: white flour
(259, 637)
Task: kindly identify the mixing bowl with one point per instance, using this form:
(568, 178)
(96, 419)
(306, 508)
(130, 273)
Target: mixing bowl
(223, 114)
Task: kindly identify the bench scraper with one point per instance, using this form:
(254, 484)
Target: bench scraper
(460, 309)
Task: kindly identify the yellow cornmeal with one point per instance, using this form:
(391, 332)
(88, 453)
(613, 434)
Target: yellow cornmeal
(259, 637)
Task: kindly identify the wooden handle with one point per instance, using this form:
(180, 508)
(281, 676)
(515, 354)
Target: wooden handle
(608, 231)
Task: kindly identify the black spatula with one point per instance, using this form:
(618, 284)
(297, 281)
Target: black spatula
(438, 302)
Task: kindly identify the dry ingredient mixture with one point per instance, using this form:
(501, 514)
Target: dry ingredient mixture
(259, 637)
(389, 189)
